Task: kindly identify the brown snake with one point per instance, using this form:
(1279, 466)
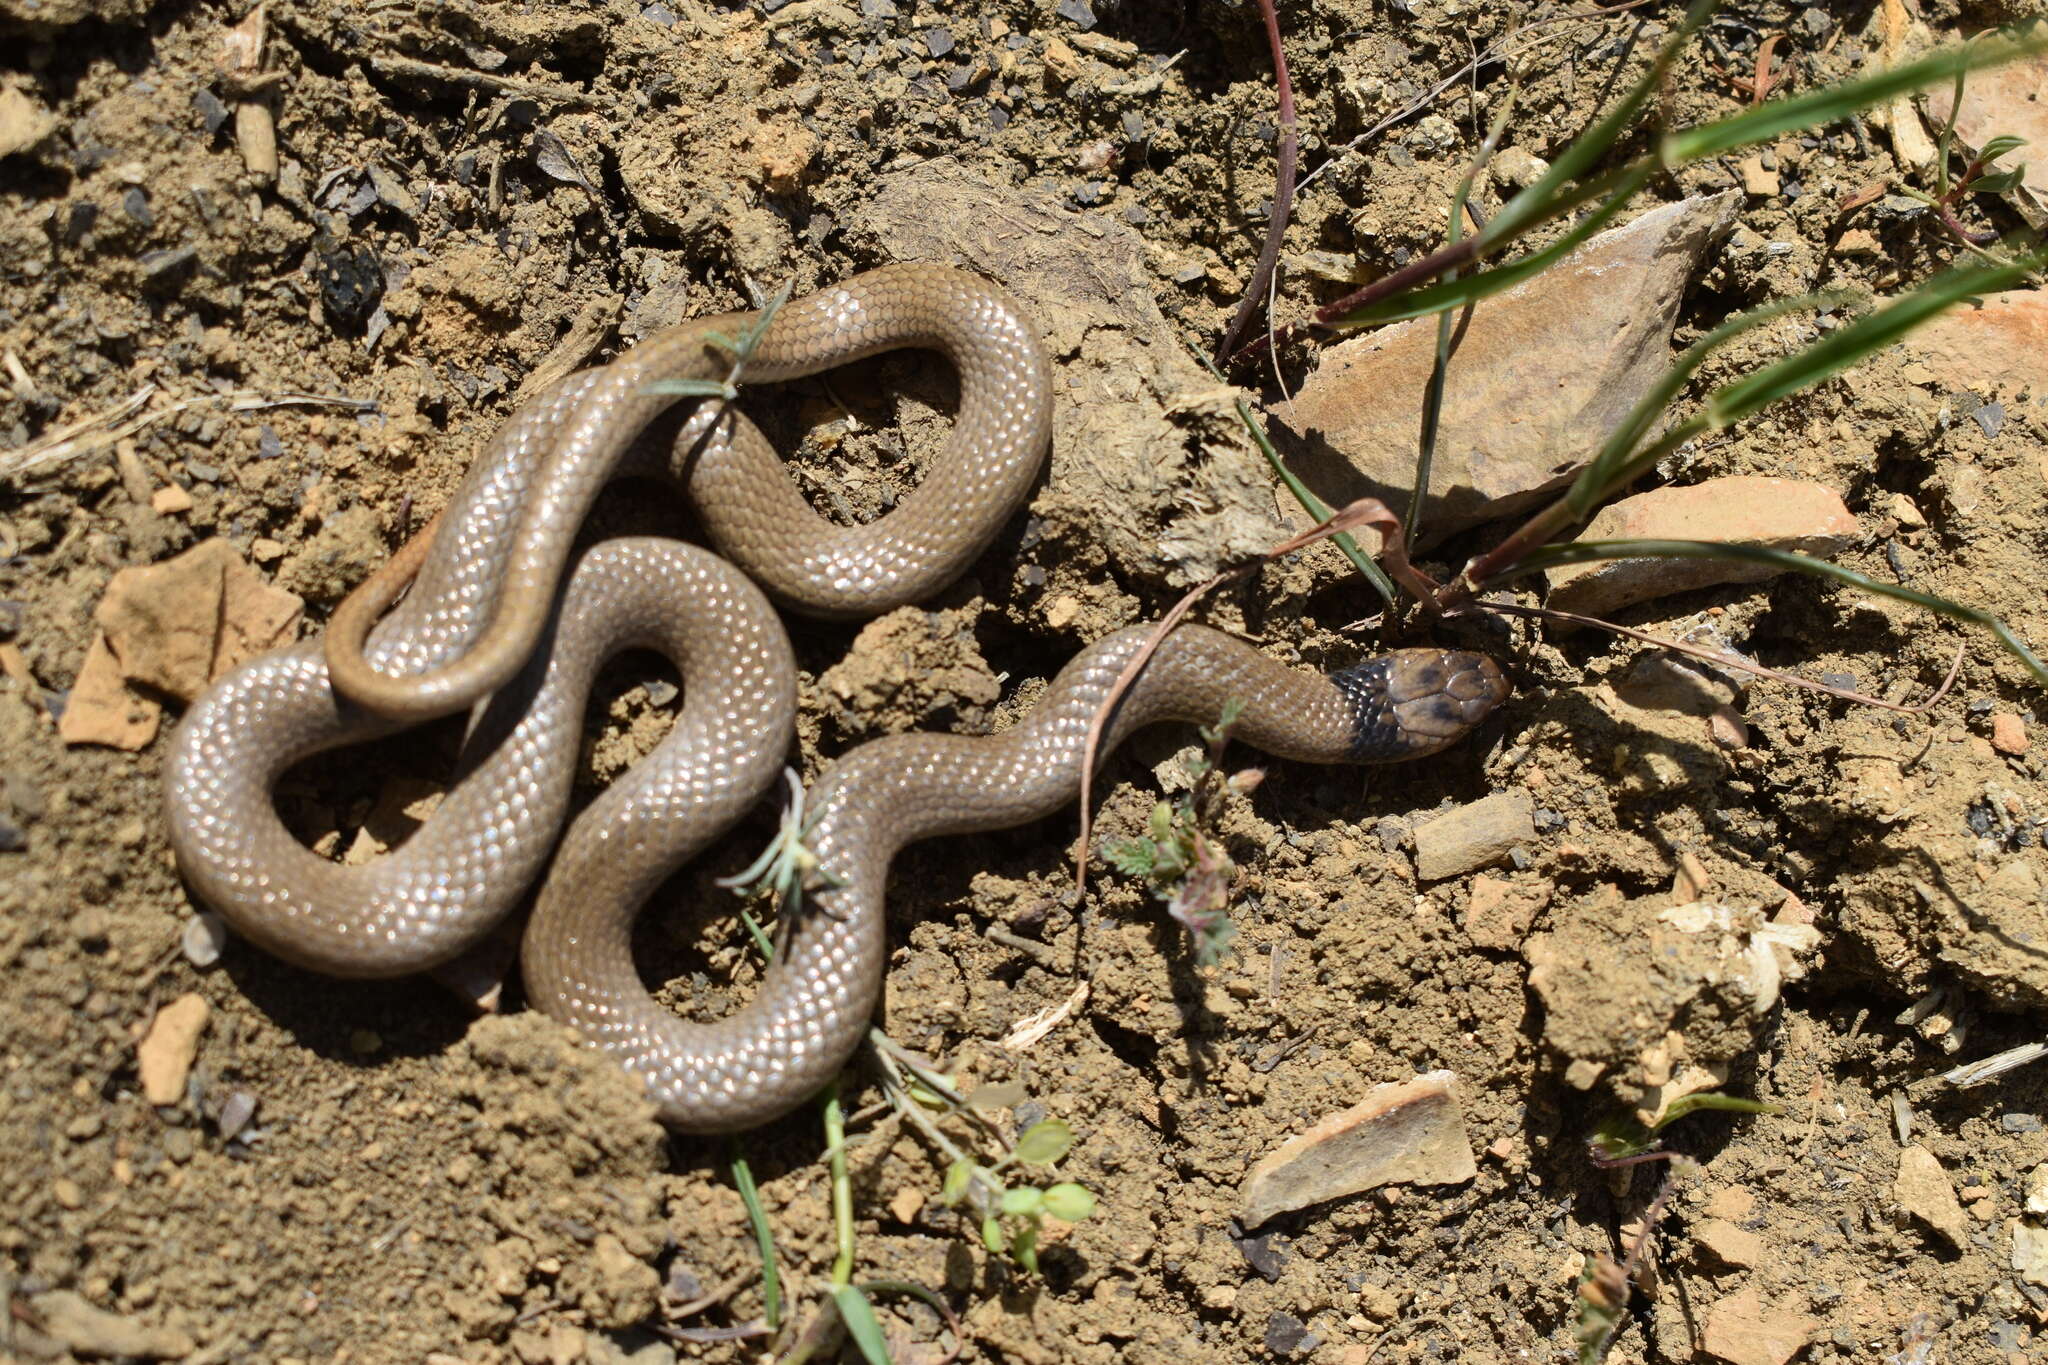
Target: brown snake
(483, 627)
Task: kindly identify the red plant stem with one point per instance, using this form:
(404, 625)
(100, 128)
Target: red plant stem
(1283, 193)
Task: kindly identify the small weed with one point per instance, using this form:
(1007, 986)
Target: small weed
(1181, 857)
(1011, 1216)
(1602, 1300)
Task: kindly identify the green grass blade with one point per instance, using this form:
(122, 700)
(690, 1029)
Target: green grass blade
(1536, 204)
(1829, 103)
(1584, 551)
(1454, 293)
(1867, 335)
(861, 1323)
(1612, 467)
(764, 1238)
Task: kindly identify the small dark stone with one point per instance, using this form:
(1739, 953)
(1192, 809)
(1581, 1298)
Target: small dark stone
(1028, 1113)
(1548, 821)
(2020, 1123)
(202, 471)
(939, 42)
(79, 221)
(1032, 575)
(1191, 273)
(1815, 21)
(666, 17)
(351, 280)
(163, 267)
(1393, 834)
(999, 118)
(1133, 126)
(1088, 193)
(212, 112)
(1981, 706)
(1981, 821)
(268, 446)
(959, 78)
(464, 169)
(135, 203)
(1078, 12)
(1261, 1255)
(1990, 418)
(13, 615)
(1844, 680)
(1136, 214)
(1288, 1335)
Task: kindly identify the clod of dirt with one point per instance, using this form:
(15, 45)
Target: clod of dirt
(103, 710)
(179, 625)
(91, 1331)
(1539, 377)
(908, 669)
(1151, 467)
(1647, 994)
(1412, 1133)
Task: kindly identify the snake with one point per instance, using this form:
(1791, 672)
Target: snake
(495, 610)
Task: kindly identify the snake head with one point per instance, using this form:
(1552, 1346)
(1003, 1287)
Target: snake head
(1414, 702)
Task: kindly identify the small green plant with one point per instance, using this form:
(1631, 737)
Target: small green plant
(1622, 1141)
(1011, 1217)
(1181, 857)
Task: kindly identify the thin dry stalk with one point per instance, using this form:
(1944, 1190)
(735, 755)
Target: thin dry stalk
(1725, 659)
(1364, 512)
(1283, 191)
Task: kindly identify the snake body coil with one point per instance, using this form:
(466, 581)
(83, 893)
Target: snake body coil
(483, 627)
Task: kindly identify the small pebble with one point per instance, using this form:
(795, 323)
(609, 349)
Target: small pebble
(135, 203)
(235, 1114)
(2008, 734)
(1078, 12)
(939, 42)
(1990, 418)
(203, 938)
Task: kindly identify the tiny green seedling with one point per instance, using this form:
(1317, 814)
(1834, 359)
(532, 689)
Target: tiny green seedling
(740, 349)
(786, 868)
(1012, 1217)
(1181, 857)
(1602, 1299)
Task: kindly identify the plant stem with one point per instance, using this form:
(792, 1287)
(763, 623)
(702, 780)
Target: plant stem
(1283, 191)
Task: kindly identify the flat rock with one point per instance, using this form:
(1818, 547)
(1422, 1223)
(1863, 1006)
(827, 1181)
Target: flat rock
(2029, 1251)
(178, 625)
(102, 709)
(1741, 1330)
(164, 1056)
(1777, 514)
(1996, 344)
(1729, 1244)
(94, 1331)
(1407, 1133)
(1474, 836)
(2005, 100)
(1923, 1190)
(1540, 376)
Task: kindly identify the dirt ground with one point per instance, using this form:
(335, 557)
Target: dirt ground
(467, 193)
